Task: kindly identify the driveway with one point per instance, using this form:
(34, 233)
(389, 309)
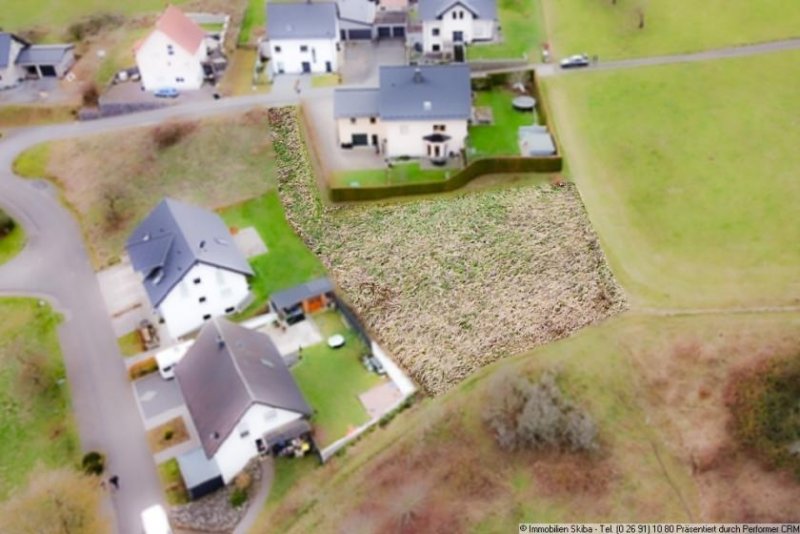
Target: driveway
(299, 335)
(157, 398)
(46, 91)
(362, 59)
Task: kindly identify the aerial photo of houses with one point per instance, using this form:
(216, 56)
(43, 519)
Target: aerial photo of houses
(399, 266)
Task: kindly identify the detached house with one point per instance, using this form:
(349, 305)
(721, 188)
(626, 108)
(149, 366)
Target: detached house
(20, 60)
(173, 54)
(191, 268)
(448, 25)
(302, 38)
(242, 400)
(416, 111)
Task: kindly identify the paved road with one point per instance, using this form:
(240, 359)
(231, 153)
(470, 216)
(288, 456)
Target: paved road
(54, 265)
(550, 69)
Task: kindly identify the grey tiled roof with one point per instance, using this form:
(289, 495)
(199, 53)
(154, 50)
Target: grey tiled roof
(355, 103)
(289, 297)
(175, 237)
(5, 47)
(227, 370)
(433, 9)
(427, 92)
(301, 21)
(43, 54)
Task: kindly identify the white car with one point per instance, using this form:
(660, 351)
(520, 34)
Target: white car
(155, 521)
(167, 359)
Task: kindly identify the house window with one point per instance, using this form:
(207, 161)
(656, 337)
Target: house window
(303, 48)
(352, 120)
(460, 14)
(179, 80)
(455, 15)
(277, 49)
(435, 32)
(436, 48)
(196, 280)
(206, 317)
(230, 310)
(438, 127)
(243, 431)
(170, 50)
(372, 120)
(201, 300)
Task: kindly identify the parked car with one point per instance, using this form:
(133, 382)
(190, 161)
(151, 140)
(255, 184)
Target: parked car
(166, 92)
(576, 61)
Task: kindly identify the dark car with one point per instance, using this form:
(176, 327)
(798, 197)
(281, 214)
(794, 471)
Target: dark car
(576, 61)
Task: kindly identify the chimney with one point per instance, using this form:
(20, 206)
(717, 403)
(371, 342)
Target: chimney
(417, 75)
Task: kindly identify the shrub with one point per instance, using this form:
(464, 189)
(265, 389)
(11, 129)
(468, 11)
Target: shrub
(90, 95)
(169, 434)
(522, 413)
(7, 224)
(93, 463)
(243, 481)
(142, 368)
(92, 25)
(238, 497)
(171, 133)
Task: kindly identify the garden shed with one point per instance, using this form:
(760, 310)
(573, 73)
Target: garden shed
(294, 303)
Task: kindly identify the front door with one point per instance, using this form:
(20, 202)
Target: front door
(437, 151)
(306, 67)
(328, 66)
(374, 139)
(458, 53)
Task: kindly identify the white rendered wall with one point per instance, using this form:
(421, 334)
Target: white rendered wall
(290, 58)
(405, 138)
(161, 70)
(473, 29)
(10, 76)
(362, 125)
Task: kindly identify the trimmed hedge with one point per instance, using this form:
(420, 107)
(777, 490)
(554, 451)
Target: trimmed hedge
(474, 170)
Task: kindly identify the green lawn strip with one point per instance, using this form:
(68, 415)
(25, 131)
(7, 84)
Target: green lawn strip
(36, 423)
(689, 181)
(331, 380)
(329, 323)
(399, 173)
(521, 29)
(499, 138)
(130, 344)
(12, 243)
(288, 262)
(170, 475)
(611, 29)
(32, 163)
(254, 15)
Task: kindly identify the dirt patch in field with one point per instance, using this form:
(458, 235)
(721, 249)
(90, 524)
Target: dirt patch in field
(451, 284)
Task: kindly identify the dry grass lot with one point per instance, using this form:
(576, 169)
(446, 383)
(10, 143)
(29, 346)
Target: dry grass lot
(113, 181)
(655, 387)
(453, 283)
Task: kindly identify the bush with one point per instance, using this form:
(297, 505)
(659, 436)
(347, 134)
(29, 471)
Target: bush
(171, 133)
(243, 481)
(7, 224)
(522, 413)
(142, 368)
(90, 95)
(169, 434)
(238, 497)
(93, 463)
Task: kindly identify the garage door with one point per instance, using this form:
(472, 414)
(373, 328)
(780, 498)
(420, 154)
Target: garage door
(384, 32)
(48, 70)
(360, 139)
(359, 34)
(399, 31)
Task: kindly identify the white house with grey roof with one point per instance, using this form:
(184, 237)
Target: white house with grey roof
(242, 400)
(302, 38)
(191, 268)
(416, 111)
(20, 60)
(449, 25)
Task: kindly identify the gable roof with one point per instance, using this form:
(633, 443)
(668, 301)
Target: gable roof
(434, 9)
(425, 92)
(5, 47)
(173, 238)
(355, 103)
(181, 29)
(43, 54)
(287, 298)
(302, 21)
(227, 370)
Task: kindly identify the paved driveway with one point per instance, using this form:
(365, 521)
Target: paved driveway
(362, 59)
(157, 398)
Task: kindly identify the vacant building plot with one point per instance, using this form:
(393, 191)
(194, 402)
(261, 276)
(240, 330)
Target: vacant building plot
(453, 283)
(633, 28)
(689, 174)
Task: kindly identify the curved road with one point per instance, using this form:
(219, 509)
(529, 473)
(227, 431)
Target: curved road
(54, 265)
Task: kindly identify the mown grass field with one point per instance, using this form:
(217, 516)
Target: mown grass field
(689, 174)
(611, 30)
(522, 31)
(213, 163)
(654, 386)
(36, 425)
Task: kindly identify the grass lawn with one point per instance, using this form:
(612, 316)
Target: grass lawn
(170, 475)
(255, 17)
(21, 115)
(11, 244)
(325, 80)
(36, 425)
(331, 380)
(212, 163)
(288, 262)
(671, 26)
(167, 435)
(119, 53)
(690, 181)
(399, 173)
(130, 344)
(238, 78)
(521, 29)
(499, 138)
(288, 472)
